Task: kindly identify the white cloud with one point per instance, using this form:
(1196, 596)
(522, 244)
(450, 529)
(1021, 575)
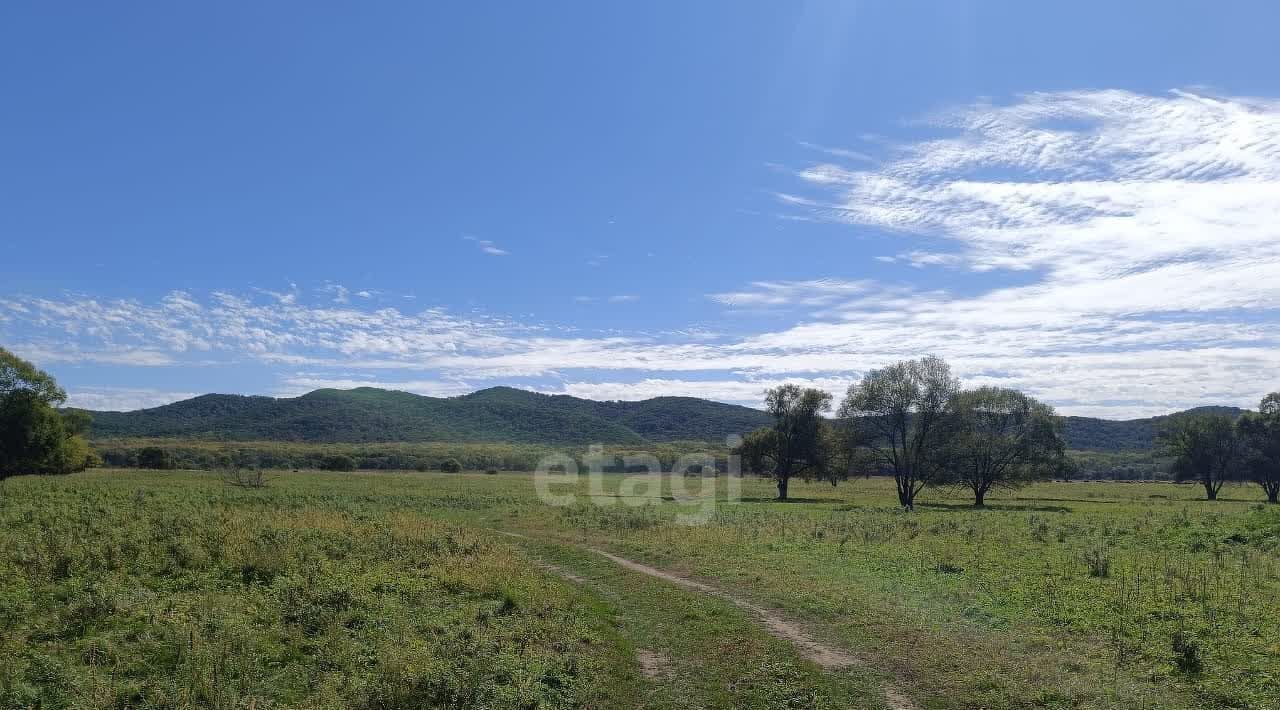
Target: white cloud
(840, 152)
(121, 399)
(734, 391)
(767, 294)
(487, 246)
(1145, 232)
(302, 384)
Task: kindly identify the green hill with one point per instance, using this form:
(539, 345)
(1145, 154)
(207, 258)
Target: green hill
(1090, 434)
(498, 414)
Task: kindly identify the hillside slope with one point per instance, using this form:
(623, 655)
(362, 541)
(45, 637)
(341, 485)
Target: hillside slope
(1089, 434)
(502, 414)
(499, 414)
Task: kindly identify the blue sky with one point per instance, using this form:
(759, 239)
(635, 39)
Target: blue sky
(626, 200)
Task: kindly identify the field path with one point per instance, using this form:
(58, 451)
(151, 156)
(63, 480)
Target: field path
(825, 655)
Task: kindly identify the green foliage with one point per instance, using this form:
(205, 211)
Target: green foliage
(1260, 438)
(499, 414)
(901, 410)
(34, 436)
(18, 375)
(1090, 434)
(793, 445)
(154, 457)
(1206, 448)
(451, 466)
(996, 437)
(198, 454)
(338, 462)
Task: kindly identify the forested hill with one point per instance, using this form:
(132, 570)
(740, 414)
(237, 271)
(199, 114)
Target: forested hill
(500, 414)
(1089, 434)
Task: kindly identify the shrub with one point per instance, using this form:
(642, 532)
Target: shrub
(1099, 562)
(1187, 654)
(154, 457)
(451, 466)
(244, 477)
(338, 462)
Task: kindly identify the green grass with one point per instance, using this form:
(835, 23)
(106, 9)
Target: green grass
(389, 590)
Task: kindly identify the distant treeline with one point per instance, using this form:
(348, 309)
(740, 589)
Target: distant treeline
(193, 454)
(197, 454)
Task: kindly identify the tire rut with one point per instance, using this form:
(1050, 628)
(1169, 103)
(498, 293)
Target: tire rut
(824, 655)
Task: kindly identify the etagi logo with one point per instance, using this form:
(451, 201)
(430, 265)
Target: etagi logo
(695, 483)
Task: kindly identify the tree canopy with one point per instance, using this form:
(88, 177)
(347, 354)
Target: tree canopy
(793, 445)
(1205, 448)
(902, 410)
(34, 436)
(1260, 438)
(998, 437)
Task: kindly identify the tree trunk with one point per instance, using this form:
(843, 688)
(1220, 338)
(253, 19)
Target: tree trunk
(1210, 491)
(782, 487)
(905, 497)
(1273, 492)
(980, 498)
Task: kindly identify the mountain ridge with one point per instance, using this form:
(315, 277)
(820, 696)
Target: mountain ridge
(503, 414)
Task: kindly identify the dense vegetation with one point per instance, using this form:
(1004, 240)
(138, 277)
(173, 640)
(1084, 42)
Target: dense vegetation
(1090, 434)
(34, 436)
(498, 415)
(394, 456)
(502, 415)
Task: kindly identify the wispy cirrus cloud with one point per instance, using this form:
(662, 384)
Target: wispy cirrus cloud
(487, 246)
(817, 292)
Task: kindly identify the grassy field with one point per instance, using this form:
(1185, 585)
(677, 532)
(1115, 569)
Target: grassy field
(398, 590)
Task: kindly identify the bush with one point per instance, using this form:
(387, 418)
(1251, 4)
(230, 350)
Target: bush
(245, 477)
(154, 457)
(451, 466)
(338, 462)
(1099, 562)
(491, 471)
(1187, 654)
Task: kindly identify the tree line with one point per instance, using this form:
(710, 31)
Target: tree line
(914, 422)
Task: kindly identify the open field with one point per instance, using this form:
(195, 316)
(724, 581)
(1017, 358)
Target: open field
(391, 590)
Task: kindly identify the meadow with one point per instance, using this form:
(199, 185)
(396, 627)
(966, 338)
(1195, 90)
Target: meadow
(402, 589)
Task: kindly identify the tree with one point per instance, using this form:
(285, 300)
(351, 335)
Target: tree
(155, 457)
(338, 462)
(999, 437)
(451, 466)
(1260, 438)
(1205, 448)
(901, 409)
(34, 436)
(792, 446)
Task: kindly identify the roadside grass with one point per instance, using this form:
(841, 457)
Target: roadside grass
(171, 589)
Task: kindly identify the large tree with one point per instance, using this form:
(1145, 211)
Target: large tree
(34, 436)
(793, 446)
(902, 409)
(998, 437)
(1260, 436)
(1206, 448)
